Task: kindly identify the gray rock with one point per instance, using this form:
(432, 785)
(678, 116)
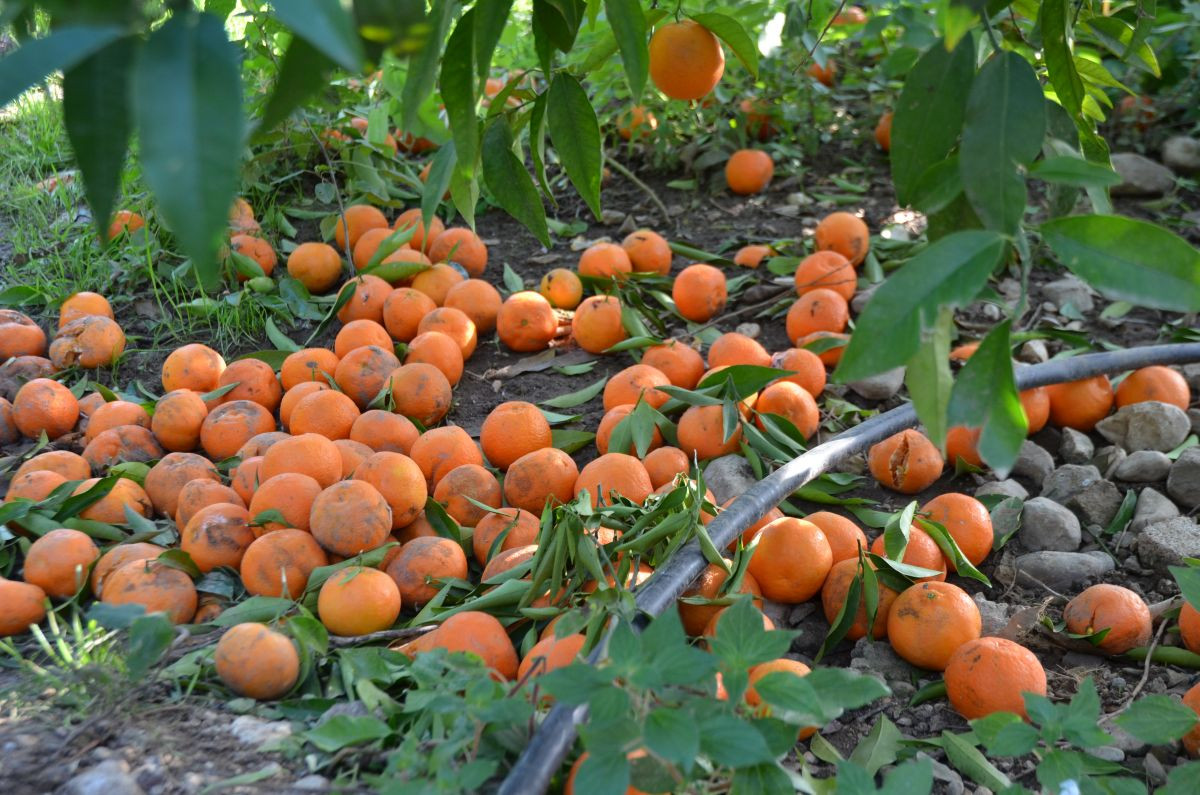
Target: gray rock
(1144, 466)
(254, 731)
(1191, 373)
(1005, 488)
(1141, 176)
(1108, 458)
(1183, 482)
(1109, 753)
(1182, 154)
(1152, 508)
(860, 300)
(880, 387)
(1167, 543)
(1146, 426)
(879, 660)
(312, 783)
(1070, 290)
(1048, 525)
(1080, 488)
(1194, 419)
(1062, 571)
(1033, 462)
(1121, 738)
(1034, 352)
(994, 614)
(347, 709)
(1076, 447)
(728, 476)
(110, 777)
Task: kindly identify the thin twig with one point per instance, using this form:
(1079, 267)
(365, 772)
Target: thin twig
(649, 191)
(386, 634)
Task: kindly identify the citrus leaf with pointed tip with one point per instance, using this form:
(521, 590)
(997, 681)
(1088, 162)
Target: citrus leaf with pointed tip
(423, 64)
(489, 27)
(1128, 259)
(985, 396)
(730, 31)
(188, 109)
(301, 74)
(327, 26)
(928, 377)
(457, 83)
(949, 273)
(628, 23)
(62, 49)
(96, 111)
(1054, 20)
(575, 133)
(1068, 170)
(509, 181)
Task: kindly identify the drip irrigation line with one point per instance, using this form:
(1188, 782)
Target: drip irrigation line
(556, 735)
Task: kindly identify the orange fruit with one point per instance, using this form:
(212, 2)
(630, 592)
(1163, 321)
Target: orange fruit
(90, 342)
(989, 675)
(326, 412)
(708, 585)
(123, 443)
(921, 551)
(1119, 610)
(963, 443)
(460, 245)
(686, 60)
(455, 324)
(83, 305)
(318, 266)
(309, 454)
(20, 336)
(114, 414)
(609, 422)
(290, 494)
(550, 654)
(817, 310)
(243, 478)
(478, 300)
(752, 256)
(178, 418)
(58, 562)
(257, 662)
(439, 450)
(350, 517)
(359, 334)
(837, 588)
(597, 324)
(829, 270)
(256, 249)
(310, 364)
(758, 118)
(701, 433)
(35, 486)
(967, 521)
(358, 219)
(173, 471)
(1154, 383)
(733, 348)
(118, 556)
(604, 261)
(358, 601)
(648, 252)
(526, 322)
(473, 632)
(468, 481)
(1191, 740)
(363, 374)
(807, 368)
(749, 171)
(906, 462)
(1036, 405)
(634, 383)
(255, 381)
(782, 665)
(383, 431)
(421, 391)
(368, 244)
(542, 475)
(823, 74)
(370, 294)
(44, 406)
(614, 474)
(520, 529)
(682, 365)
(196, 495)
(260, 444)
(505, 561)
(883, 131)
(1189, 627)
(662, 464)
(437, 281)
(1080, 404)
(280, 562)
(422, 560)
(562, 288)
(699, 292)
(156, 586)
(844, 233)
(792, 403)
(352, 454)
(569, 787)
(511, 430)
(400, 480)
(929, 621)
(217, 536)
(964, 352)
(71, 466)
(125, 221)
(791, 561)
(403, 310)
(636, 122)
(844, 536)
(830, 356)
(423, 235)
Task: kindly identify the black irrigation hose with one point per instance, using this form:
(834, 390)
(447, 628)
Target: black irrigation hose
(556, 735)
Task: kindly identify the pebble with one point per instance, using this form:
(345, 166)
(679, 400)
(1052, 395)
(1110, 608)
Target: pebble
(1034, 462)
(1191, 374)
(1048, 525)
(611, 217)
(1070, 290)
(1034, 352)
(1080, 487)
(1075, 659)
(881, 661)
(1194, 419)
(1003, 488)
(995, 615)
(1141, 176)
(253, 731)
(1167, 543)
(1183, 482)
(1181, 153)
(1109, 753)
(1076, 447)
(751, 330)
(881, 386)
(1154, 769)
(1151, 425)
(312, 783)
(728, 476)
(1144, 466)
(1108, 458)
(1061, 571)
(110, 777)
(1152, 507)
